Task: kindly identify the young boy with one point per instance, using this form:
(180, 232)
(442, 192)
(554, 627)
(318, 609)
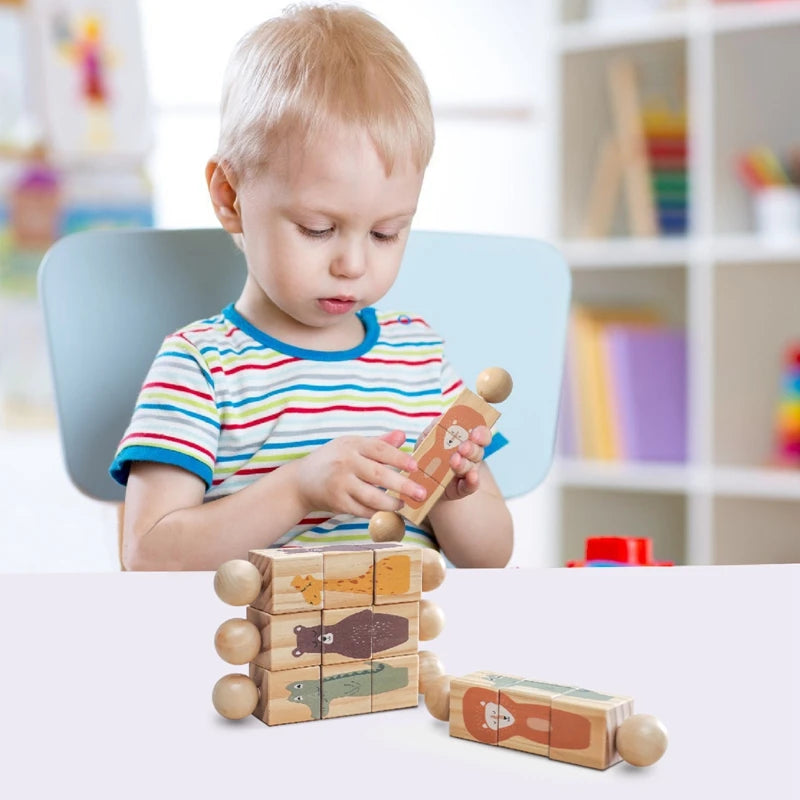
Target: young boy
(295, 408)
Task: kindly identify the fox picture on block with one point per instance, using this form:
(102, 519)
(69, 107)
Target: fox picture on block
(566, 723)
(433, 452)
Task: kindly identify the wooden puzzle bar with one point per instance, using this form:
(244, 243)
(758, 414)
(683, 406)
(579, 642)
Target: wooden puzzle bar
(337, 630)
(565, 723)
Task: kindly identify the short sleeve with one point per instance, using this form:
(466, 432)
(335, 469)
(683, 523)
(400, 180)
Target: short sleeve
(176, 420)
(451, 382)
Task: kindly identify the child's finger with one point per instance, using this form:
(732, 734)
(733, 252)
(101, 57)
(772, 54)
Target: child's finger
(371, 499)
(383, 452)
(471, 451)
(465, 485)
(394, 438)
(481, 435)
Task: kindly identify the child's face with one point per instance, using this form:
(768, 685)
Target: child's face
(324, 231)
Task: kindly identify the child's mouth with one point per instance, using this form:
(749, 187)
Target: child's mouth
(336, 305)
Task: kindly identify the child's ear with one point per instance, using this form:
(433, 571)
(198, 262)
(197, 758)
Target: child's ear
(221, 188)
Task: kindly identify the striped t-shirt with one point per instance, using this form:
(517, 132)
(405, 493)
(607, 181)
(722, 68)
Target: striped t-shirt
(229, 403)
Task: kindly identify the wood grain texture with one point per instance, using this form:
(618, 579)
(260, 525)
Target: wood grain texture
(291, 695)
(475, 720)
(395, 682)
(433, 452)
(287, 640)
(582, 727)
(390, 623)
(291, 580)
(346, 689)
(348, 579)
(526, 708)
(398, 574)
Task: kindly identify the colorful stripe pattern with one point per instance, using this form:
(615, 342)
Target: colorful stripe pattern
(229, 403)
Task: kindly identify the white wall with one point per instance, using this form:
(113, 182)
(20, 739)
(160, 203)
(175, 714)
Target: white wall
(486, 65)
(484, 62)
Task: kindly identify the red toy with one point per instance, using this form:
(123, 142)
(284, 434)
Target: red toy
(619, 551)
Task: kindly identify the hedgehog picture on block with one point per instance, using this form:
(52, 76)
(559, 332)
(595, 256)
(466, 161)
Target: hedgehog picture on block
(330, 631)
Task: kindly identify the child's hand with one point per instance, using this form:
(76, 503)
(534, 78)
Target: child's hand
(465, 463)
(348, 475)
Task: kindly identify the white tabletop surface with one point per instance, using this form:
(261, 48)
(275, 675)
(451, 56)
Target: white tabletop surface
(106, 684)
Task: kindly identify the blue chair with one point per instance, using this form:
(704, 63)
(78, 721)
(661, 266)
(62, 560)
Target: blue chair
(110, 297)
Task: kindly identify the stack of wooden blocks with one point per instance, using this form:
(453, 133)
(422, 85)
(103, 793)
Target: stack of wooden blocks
(339, 630)
(564, 723)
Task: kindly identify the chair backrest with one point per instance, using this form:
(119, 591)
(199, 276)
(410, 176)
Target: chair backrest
(110, 297)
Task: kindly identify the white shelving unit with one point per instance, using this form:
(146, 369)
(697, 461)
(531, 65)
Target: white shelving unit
(738, 297)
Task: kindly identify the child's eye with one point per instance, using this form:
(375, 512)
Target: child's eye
(384, 237)
(314, 233)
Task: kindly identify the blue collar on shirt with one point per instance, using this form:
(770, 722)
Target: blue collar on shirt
(366, 315)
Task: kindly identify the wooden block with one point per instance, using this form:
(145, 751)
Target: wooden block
(415, 511)
(291, 695)
(346, 635)
(583, 725)
(398, 574)
(292, 580)
(433, 453)
(395, 629)
(348, 578)
(474, 706)
(525, 715)
(288, 641)
(346, 689)
(468, 411)
(395, 682)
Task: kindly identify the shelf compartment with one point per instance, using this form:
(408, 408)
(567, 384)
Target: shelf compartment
(748, 531)
(755, 318)
(602, 512)
(662, 288)
(587, 120)
(755, 77)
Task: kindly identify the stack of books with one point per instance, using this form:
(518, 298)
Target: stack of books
(625, 387)
(665, 134)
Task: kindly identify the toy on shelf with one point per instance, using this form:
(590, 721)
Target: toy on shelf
(565, 723)
(787, 422)
(647, 150)
(774, 185)
(619, 551)
(330, 631)
(433, 451)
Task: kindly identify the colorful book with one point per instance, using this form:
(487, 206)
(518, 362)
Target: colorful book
(648, 366)
(598, 427)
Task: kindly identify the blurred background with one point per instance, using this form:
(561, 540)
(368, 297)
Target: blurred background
(655, 142)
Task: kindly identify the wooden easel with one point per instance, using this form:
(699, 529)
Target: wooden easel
(623, 155)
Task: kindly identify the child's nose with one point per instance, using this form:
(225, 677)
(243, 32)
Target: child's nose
(350, 262)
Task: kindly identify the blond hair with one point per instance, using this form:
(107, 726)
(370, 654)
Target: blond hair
(312, 66)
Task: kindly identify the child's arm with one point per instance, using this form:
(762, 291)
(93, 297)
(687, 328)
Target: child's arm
(471, 521)
(168, 527)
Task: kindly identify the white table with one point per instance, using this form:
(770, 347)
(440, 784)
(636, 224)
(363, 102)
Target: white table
(106, 683)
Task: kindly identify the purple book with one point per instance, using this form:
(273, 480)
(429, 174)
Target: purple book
(648, 385)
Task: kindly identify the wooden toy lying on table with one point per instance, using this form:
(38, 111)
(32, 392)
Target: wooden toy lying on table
(564, 723)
